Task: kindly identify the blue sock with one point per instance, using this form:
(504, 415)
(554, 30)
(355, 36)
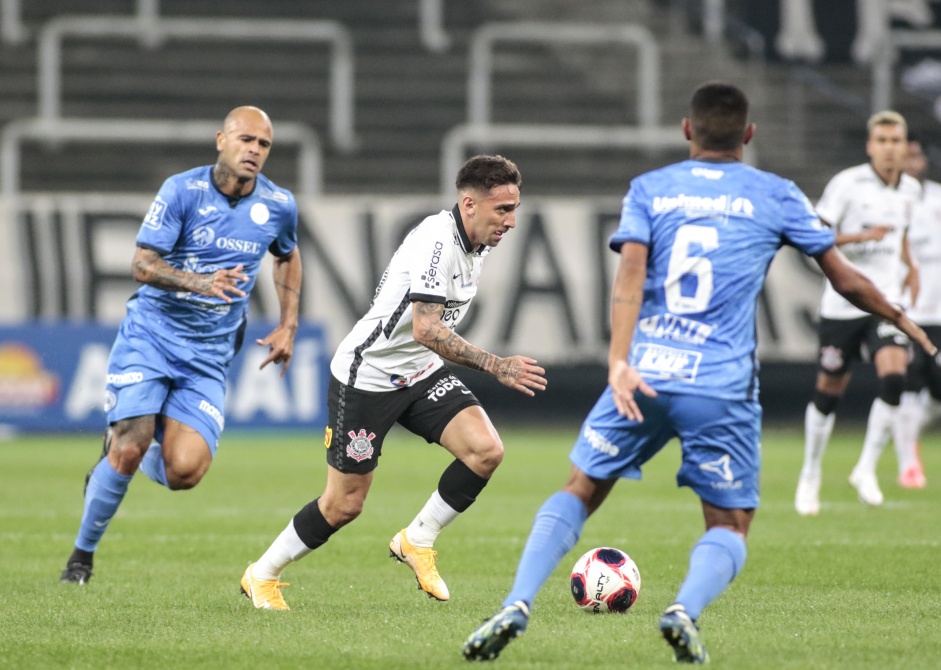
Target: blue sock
(715, 560)
(555, 531)
(104, 494)
(153, 466)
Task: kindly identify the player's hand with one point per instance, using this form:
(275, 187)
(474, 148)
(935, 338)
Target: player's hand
(521, 373)
(223, 283)
(875, 233)
(914, 331)
(624, 381)
(280, 343)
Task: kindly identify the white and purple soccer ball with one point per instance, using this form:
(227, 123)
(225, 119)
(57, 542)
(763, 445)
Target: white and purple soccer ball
(605, 579)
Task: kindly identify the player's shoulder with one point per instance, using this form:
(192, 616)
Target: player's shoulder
(269, 191)
(910, 185)
(861, 174)
(691, 172)
(194, 180)
(440, 224)
(932, 189)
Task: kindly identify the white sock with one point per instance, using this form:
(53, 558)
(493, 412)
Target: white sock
(878, 432)
(435, 515)
(286, 549)
(908, 419)
(817, 429)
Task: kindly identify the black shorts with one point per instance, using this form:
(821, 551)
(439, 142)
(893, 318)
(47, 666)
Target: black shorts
(843, 341)
(358, 421)
(923, 370)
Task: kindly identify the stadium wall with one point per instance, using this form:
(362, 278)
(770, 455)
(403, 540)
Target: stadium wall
(544, 292)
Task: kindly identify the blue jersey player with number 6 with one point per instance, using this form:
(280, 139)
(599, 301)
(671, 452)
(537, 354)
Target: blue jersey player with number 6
(695, 241)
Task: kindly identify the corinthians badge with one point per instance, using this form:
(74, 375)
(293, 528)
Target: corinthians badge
(360, 446)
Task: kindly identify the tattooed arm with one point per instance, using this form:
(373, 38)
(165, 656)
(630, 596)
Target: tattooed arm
(517, 372)
(150, 268)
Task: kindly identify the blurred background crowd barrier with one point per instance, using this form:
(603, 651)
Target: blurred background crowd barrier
(375, 105)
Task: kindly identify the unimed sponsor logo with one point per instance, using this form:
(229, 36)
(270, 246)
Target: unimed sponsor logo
(722, 204)
(212, 411)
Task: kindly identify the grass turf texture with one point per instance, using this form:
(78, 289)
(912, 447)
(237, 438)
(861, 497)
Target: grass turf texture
(852, 588)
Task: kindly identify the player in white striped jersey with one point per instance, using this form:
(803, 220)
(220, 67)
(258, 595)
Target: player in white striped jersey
(869, 207)
(390, 369)
(921, 401)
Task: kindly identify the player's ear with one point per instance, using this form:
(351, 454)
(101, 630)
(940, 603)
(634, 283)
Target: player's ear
(220, 140)
(749, 132)
(467, 203)
(687, 129)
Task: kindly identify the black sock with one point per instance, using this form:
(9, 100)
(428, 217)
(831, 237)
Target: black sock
(311, 526)
(459, 486)
(82, 556)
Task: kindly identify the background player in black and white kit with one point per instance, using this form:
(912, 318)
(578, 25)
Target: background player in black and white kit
(921, 401)
(869, 206)
(390, 368)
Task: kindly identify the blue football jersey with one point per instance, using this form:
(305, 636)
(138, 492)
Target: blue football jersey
(712, 229)
(197, 228)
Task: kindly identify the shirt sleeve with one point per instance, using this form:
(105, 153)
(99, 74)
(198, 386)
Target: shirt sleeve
(286, 240)
(428, 254)
(802, 227)
(832, 204)
(163, 222)
(635, 219)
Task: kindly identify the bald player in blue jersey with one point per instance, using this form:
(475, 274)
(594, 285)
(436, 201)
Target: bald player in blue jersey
(198, 253)
(695, 242)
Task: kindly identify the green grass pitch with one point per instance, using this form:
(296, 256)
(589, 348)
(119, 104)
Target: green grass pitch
(852, 588)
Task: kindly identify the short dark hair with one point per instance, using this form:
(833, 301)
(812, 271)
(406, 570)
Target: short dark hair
(482, 173)
(719, 114)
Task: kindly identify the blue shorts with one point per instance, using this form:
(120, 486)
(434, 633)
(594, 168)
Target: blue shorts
(158, 373)
(720, 441)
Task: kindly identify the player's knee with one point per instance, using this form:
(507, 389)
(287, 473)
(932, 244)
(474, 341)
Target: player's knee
(183, 478)
(825, 402)
(487, 456)
(890, 388)
(341, 510)
(125, 455)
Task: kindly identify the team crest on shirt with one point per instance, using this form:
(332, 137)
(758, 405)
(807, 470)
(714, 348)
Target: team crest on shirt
(360, 446)
(260, 213)
(328, 437)
(831, 358)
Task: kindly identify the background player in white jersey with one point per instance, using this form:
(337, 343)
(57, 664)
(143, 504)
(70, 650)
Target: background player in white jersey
(921, 401)
(198, 253)
(389, 369)
(695, 242)
(869, 208)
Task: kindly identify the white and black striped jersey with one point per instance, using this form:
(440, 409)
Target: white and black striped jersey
(924, 240)
(435, 263)
(855, 200)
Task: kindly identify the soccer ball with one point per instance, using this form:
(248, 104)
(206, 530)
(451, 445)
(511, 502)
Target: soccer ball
(605, 580)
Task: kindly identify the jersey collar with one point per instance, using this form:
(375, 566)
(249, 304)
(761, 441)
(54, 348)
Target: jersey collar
(466, 245)
(878, 179)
